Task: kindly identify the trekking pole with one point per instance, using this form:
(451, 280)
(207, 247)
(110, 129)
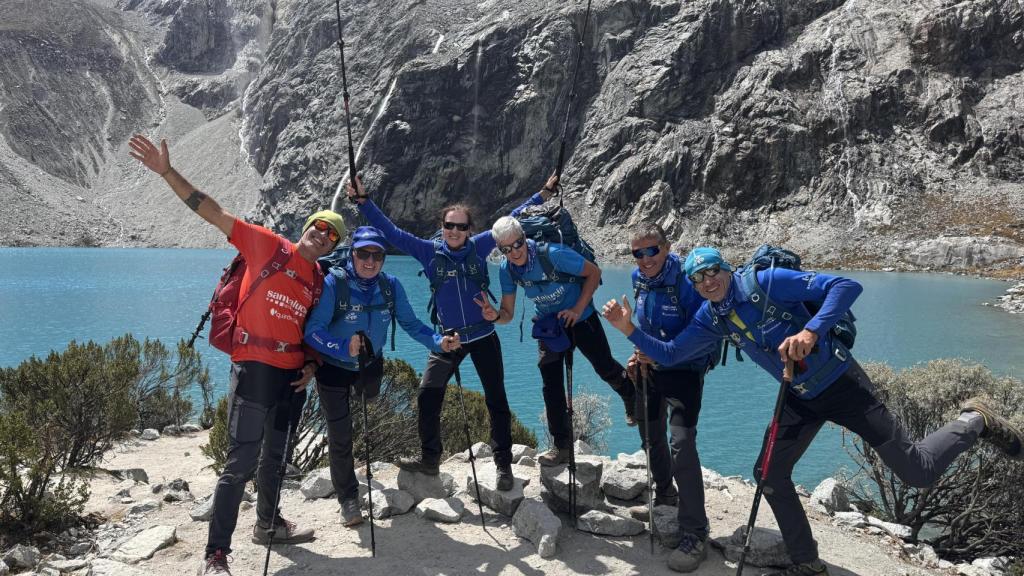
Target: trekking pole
(469, 441)
(344, 96)
(572, 427)
(572, 96)
(284, 468)
(199, 328)
(645, 376)
(366, 440)
(766, 460)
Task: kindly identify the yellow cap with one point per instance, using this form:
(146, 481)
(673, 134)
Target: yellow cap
(329, 216)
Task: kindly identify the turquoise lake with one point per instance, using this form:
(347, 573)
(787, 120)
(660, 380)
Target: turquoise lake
(49, 297)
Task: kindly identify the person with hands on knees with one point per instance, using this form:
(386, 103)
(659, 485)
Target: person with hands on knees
(666, 302)
(270, 366)
(830, 386)
(358, 299)
(561, 289)
(456, 267)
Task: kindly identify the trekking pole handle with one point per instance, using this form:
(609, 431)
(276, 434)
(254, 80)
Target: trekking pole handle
(787, 372)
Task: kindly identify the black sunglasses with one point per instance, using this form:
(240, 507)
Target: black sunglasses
(461, 226)
(699, 276)
(649, 252)
(513, 246)
(363, 254)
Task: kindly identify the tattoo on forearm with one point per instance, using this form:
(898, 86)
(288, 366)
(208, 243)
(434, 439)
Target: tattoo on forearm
(195, 199)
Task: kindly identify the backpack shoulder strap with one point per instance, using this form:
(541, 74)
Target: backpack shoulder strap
(342, 292)
(438, 267)
(553, 275)
(276, 263)
(386, 284)
(756, 295)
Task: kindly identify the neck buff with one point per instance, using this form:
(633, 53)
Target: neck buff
(671, 263)
(728, 303)
(531, 257)
(364, 284)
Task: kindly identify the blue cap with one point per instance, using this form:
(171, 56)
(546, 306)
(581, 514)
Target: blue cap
(704, 257)
(368, 236)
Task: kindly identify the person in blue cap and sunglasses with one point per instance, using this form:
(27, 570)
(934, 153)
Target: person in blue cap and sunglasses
(829, 385)
(358, 298)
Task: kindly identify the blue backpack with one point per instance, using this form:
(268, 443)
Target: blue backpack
(334, 263)
(768, 256)
(554, 225)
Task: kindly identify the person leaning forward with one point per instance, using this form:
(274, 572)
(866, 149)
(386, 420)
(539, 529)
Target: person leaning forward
(456, 267)
(666, 302)
(333, 329)
(270, 369)
(830, 386)
(564, 319)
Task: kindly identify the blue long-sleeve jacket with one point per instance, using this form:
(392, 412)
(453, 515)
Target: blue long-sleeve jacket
(454, 299)
(663, 316)
(329, 329)
(787, 288)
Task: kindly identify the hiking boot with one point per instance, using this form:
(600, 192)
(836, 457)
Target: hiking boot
(998, 431)
(691, 551)
(350, 514)
(505, 477)
(812, 568)
(419, 464)
(216, 563)
(666, 497)
(285, 532)
(554, 456)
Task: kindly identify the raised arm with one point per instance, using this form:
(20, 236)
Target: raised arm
(159, 160)
(540, 197)
(418, 248)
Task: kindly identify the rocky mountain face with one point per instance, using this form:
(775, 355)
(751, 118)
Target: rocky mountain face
(864, 133)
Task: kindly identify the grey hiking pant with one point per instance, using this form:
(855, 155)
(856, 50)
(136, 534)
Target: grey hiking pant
(334, 385)
(261, 402)
(679, 393)
(851, 402)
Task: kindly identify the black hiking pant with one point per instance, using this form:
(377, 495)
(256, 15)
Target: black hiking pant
(334, 386)
(851, 402)
(587, 336)
(677, 393)
(486, 355)
(261, 402)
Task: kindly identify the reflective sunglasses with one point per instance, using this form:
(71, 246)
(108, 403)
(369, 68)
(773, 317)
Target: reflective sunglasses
(700, 275)
(649, 252)
(364, 254)
(513, 246)
(461, 226)
(322, 226)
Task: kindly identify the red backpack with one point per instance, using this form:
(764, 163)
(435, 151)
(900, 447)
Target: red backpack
(227, 298)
